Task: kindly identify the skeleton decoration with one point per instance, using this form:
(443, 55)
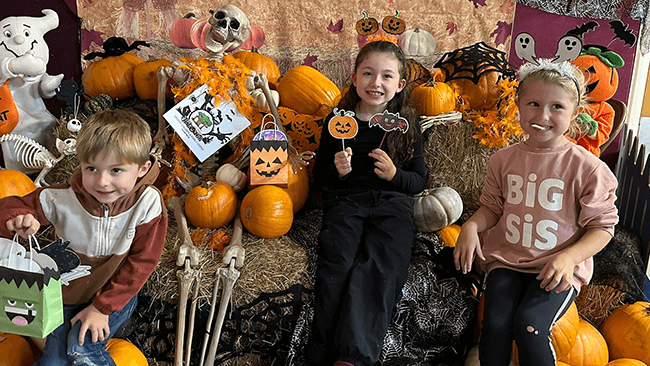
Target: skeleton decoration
(230, 29)
(23, 61)
(34, 156)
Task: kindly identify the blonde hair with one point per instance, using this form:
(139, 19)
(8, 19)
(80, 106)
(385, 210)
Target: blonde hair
(124, 133)
(574, 85)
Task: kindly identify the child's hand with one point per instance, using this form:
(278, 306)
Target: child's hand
(384, 167)
(558, 273)
(467, 245)
(24, 225)
(94, 321)
(342, 161)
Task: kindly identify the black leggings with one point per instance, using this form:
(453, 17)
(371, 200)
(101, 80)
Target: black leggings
(365, 250)
(517, 308)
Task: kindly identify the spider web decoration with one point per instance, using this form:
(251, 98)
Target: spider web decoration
(473, 62)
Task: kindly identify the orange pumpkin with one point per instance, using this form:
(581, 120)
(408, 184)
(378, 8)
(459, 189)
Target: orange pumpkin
(211, 205)
(179, 33)
(267, 211)
(261, 64)
(626, 362)
(433, 98)
(297, 186)
(392, 24)
(145, 79)
(366, 25)
(449, 235)
(15, 183)
(255, 40)
(15, 350)
(343, 125)
(627, 331)
(601, 79)
(305, 90)
(590, 348)
(124, 353)
(113, 74)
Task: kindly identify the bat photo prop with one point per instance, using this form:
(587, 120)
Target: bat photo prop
(343, 125)
(389, 122)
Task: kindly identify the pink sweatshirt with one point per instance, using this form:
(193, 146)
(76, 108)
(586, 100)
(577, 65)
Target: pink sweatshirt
(545, 199)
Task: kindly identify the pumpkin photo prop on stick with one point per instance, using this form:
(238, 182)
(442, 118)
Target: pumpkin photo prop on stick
(389, 122)
(269, 156)
(343, 125)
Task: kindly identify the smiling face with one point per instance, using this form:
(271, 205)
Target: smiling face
(377, 80)
(545, 113)
(107, 177)
(19, 35)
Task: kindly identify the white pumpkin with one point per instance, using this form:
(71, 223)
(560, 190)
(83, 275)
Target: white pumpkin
(231, 175)
(417, 42)
(436, 208)
(260, 99)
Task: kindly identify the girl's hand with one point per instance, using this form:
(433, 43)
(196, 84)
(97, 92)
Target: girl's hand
(24, 225)
(467, 245)
(558, 273)
(94, 321)
(384, 167)
(342, 161)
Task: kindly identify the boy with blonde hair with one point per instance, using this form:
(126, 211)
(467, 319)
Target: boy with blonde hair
(116, 222)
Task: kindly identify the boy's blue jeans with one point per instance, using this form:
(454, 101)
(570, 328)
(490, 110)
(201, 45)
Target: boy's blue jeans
(62, 346)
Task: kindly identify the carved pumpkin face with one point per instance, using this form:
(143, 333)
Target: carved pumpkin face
(304, 126)
(602, 80)
(343, 127)
(269, 162)
(393, 25)
(366, 25)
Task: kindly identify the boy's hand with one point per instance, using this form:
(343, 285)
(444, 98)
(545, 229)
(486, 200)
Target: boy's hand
(94, 321)
(467, 245)
(384, 167)
(24, 225)
(558, 273)
(342, 161)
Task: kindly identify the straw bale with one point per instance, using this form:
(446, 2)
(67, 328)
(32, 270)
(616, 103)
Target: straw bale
(596, 302)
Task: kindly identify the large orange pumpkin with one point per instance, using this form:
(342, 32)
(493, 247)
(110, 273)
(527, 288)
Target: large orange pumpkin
(626, 362)
(590, 348)
(627, 331)
(15, 351)
(145, 79)
(113, 74)
(261, 64)
(433, 98)
(305, 90)
(15, 183)
(267, 211)
(211, 205)
(124, 353)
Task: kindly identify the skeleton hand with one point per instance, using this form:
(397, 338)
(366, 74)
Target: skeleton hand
(234, 251)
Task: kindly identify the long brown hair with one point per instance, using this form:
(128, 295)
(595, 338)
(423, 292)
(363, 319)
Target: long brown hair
(399, 145)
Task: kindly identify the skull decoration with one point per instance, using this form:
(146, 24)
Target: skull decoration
(230, 29)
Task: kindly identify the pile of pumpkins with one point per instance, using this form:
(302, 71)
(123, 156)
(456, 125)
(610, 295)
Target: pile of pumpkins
(622, 339)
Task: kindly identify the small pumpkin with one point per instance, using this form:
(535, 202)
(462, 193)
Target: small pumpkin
(449, 235)
(211, 205)
(367, 25)
(590, 348)
(255, 39)
(15, 350)
(392, 24)
(15, 183)
(297, 186)
(417, 42)
(124, 353)
(179, 33)
(305, 90)
(627, 331)
(261, 64)
(113, 74)
(267, 211)
(433, 209)
(145, 79)
(433, 98)
(233, 176)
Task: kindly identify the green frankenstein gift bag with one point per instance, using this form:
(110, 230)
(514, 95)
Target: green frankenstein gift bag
(30, 291)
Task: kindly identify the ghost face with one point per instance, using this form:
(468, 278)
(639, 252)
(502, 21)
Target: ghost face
(24, 35)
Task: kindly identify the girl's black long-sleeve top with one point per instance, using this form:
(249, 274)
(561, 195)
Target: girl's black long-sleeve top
(410, 177)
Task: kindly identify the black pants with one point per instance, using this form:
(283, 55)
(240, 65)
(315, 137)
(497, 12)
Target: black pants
(365, 249)
(517, 308)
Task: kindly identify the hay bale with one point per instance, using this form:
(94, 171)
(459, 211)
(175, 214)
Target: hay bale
(596, 302)
(455, 159)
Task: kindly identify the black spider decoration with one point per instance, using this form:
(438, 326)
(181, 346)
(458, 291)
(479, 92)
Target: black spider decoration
(116, 46)
(473, 62)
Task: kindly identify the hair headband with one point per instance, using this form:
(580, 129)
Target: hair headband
(564, 68)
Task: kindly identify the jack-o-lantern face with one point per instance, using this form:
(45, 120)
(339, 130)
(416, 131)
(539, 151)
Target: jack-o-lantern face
(304, 126)
(269, 162)
(343, 127)
(601, 79)
(393, 24)
(367, 26)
